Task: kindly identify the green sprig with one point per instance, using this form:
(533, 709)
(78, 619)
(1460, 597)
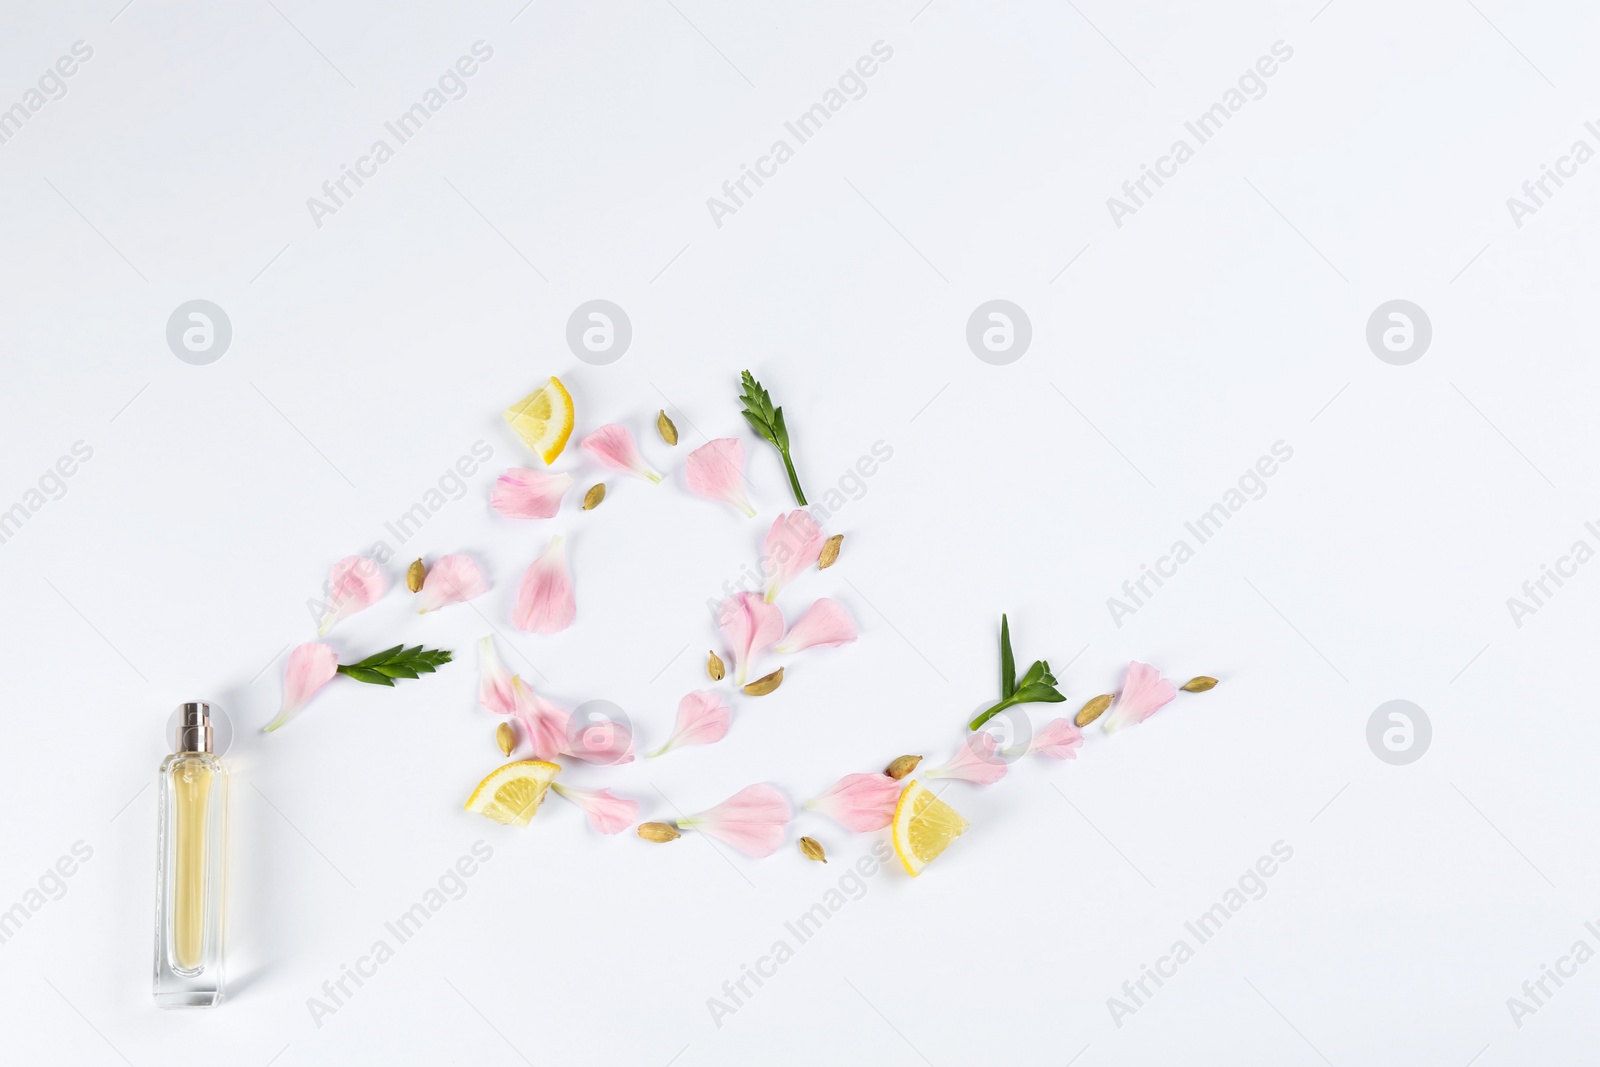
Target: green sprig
(1038, 686)
(768, 422)
(397, 662)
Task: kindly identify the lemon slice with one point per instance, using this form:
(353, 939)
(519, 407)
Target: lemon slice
(511, 795)
(543, 419)
(923, 826)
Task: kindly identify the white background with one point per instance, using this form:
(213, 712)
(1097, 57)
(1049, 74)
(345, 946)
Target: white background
(1168, 354)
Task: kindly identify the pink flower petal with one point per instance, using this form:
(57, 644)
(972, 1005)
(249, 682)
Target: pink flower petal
(793, 544)
(861, 802)
(545, 603)
(598, 739)
(824, 623)
(702, 720)
(543, 722)
(494, 681)
(311, 666)
(975, 761)
(521, 493)
(749, 625)
(1058, 739)
(451, 580)
(354, 583)
(1143, 694)
(613, 445)
(752, 820)
(716, 472)
(608, 813)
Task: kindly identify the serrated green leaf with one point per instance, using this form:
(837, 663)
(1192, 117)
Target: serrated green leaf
(1038, 694)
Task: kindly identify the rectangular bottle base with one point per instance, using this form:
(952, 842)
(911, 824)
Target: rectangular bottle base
(189, 998)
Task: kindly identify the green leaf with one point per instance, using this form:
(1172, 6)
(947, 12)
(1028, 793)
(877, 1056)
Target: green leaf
(768, 422)
(365, 674)
(1039, 694)
(382, 668)
(1008, 662)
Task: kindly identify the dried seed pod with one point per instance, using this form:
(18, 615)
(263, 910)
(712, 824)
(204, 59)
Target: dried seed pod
(1199, 684)
(505, 737)
(1093, 710)
(596, 493)
(669, 432)
(902, 766)
(715, 668)
(830, 552)
(811, 848)
(658, 831)
(765, 684)
(414, 575)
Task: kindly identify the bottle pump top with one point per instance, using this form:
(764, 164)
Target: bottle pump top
(194, 727)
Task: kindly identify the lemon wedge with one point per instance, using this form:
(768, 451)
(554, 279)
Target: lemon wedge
(543, 419)
(512, 794)
(923, 827)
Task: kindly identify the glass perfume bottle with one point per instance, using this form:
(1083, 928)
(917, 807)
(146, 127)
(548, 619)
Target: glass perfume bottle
(191, 860)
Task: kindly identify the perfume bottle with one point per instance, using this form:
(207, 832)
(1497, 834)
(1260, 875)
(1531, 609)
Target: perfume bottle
(191, 859)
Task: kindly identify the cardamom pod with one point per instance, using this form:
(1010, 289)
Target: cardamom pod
(669, 432)
(1199, 684)
(658, 831)
(596, 493)
(715, 668)
(414, 575)
(765, 684)
(505, 738)
(902, 766)
(1093, 710)
(830, 552)
(811, 848)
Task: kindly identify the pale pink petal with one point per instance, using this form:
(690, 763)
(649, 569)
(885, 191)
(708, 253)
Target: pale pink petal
(1058, 739)
(608, 813)
(545, 603)
(975, 761)
(752, 820)
(521, 493)
(494, 681)
(600, 739)
(613, 445)
(750, 626)
(1143, 694)
(793, 544)
(310, 667)
(354, 583)
(451, 580)
(824, 623)
(716, 472)
(543, 722)
(862, 802)
(702, 720)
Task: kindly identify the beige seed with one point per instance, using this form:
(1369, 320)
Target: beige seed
(1199, 684)
(505, 738)
(1093, 710)
(596, 493)
(902, 766)
(669, 432)
(830, 552)
(715, 668)
(414, 575)
(811, 848)
(765, 684)
(658, 831)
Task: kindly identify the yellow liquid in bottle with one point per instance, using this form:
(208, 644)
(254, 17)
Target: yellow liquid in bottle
(191, 788)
